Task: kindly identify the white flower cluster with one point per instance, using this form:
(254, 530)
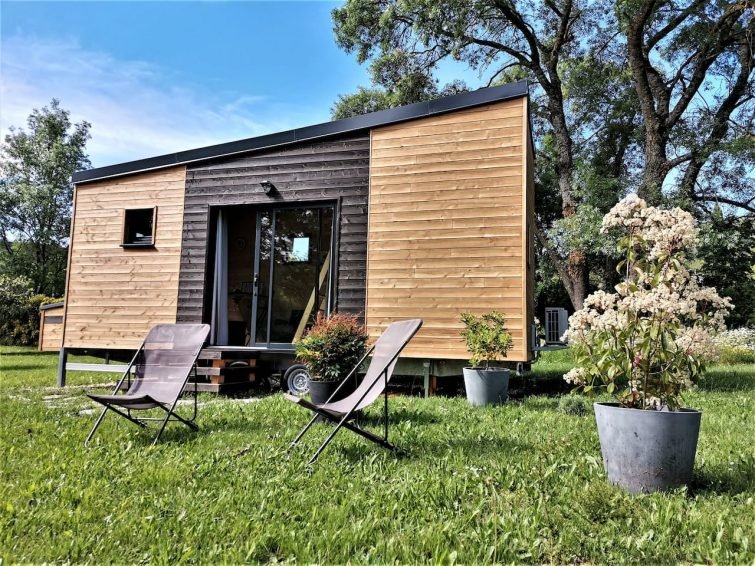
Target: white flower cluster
(659, 298)
(664, 231)
(698, 342)
(576, 376)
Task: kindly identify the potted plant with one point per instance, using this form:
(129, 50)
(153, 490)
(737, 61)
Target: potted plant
(330, 350)
(487, 341)
(645, 344)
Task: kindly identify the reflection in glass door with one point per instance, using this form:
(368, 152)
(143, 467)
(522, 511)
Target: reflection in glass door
(292, 278)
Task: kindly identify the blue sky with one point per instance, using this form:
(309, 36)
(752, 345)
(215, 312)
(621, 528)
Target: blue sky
(158, 77)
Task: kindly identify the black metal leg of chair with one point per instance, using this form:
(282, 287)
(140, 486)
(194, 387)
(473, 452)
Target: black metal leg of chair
(330, 437)
(188, 422)
(303, 431)
(165, 422)
(96, 425)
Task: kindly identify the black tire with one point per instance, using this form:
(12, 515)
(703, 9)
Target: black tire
(296, 380)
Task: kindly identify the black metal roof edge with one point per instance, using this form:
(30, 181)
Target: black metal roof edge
(51, 306)
(346, 125)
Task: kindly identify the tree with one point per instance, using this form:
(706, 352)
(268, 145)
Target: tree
(36, 195)
(621, 92)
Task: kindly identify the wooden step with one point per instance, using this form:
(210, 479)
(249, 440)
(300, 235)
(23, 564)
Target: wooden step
(216, 354)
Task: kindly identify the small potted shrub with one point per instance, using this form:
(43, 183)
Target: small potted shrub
(330, 350)
(487, 341)
(645, 344)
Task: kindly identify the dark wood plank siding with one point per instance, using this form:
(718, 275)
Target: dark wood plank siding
(326, 170)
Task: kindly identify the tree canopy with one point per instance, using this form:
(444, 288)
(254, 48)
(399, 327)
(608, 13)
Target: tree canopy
(655, 96)
(35, 196)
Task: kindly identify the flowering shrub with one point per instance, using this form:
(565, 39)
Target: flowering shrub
(650, 339)
(737, 346)
(332, 347)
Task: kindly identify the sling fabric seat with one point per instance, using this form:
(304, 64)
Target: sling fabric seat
(161, 368)
(385, 354)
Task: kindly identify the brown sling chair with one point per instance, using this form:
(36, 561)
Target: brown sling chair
(161, 369)
(385, 353)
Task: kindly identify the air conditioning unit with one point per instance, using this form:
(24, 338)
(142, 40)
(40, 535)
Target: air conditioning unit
(556, 323)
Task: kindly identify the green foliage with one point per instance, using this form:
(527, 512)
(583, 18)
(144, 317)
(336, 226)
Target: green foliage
(486, 337)
(726, 248)
(19, 311)
(573, 405)
(332, 347)
(36, 195)
(580, 231)
(512, 485)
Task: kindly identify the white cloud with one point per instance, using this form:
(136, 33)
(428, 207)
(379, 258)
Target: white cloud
(137, 109)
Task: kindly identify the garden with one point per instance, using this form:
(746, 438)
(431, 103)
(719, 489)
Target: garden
(520, 482)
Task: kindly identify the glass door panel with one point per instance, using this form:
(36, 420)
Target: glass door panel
(293, 275)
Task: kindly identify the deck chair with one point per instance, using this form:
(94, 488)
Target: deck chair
(385, 353)
(161, 368)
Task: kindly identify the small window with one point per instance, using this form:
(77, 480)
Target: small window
(139, 227)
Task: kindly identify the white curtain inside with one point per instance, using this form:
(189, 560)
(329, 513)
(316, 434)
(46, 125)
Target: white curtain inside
(219, 333)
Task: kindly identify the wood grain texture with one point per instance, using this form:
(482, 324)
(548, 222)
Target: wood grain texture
(51, 329)
(450, 200)
(114, 295)
(334, 170)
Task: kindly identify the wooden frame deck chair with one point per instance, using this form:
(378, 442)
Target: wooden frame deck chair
(385, 354)
(161, 368)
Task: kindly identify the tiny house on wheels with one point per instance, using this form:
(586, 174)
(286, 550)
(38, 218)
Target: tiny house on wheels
(422, 211)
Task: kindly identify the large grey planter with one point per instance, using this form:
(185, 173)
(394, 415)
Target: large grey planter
(645, 451)
(486, 386)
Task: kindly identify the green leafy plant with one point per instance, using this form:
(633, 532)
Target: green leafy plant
(573, 405)
(649, 341)
(486, 337)
(332, 347)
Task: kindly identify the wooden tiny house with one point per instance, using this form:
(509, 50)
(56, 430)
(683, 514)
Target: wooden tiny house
(422, 211)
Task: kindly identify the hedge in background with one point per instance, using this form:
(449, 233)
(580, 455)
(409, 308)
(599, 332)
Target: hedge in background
(19, 311)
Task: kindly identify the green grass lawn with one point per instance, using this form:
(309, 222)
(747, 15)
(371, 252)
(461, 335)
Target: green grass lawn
(517, 483)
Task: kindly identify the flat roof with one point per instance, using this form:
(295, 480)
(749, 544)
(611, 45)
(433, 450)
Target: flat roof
(298, 135)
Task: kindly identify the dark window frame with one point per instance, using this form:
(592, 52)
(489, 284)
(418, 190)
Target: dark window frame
(124, 231)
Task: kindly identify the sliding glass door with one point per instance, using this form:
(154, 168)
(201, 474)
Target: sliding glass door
(292, 273)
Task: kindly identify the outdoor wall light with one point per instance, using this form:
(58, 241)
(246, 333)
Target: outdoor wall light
(268, 187)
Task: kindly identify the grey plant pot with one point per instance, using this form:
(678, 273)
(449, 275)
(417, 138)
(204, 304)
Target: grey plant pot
(646, 451)
(486, 386)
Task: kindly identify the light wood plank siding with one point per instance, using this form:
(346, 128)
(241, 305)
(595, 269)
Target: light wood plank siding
(114, 295)
(447, 225)
(51, 329)
(530, 235)
(312, 172)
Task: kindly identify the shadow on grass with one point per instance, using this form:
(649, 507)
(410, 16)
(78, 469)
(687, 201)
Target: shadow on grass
(33, 353)
(22, 367)
(728, 380)
(722, 481)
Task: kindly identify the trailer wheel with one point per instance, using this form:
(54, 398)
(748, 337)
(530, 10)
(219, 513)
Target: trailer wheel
(296, 380)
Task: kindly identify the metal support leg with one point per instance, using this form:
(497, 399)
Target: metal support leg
(304, 430)
(426, 376)
(385, 408)
(62, 361)
(96, 425)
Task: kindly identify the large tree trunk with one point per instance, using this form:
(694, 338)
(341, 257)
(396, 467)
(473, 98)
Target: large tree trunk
(574, 274)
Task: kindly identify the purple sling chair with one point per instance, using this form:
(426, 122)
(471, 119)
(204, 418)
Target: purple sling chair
(162, 367)
(385, 353)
